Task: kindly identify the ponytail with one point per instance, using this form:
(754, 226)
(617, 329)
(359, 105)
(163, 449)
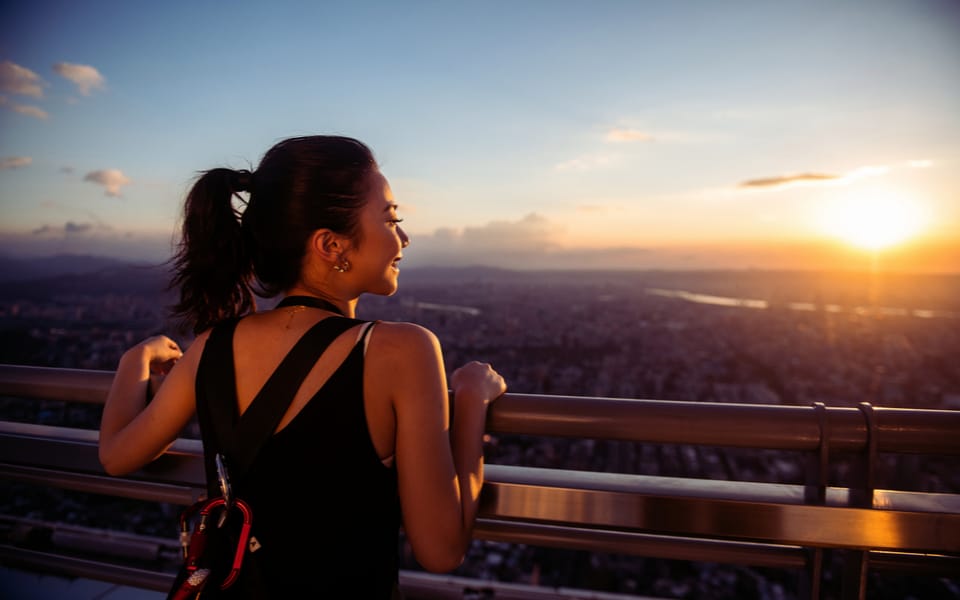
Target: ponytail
(212, 265)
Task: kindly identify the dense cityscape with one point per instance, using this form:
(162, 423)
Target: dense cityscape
(744, 337)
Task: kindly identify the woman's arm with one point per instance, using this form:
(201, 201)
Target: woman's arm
(440, 475)
(133, 432)
(475, 385)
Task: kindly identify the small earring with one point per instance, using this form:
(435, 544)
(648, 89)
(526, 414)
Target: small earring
(342, 267)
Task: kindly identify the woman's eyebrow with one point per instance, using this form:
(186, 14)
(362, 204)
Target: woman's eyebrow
(391, 206)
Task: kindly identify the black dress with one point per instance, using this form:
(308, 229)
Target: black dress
(326, 509)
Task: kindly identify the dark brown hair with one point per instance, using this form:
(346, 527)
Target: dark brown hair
(226, 255)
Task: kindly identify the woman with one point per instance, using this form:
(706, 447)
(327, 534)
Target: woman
(320, 228)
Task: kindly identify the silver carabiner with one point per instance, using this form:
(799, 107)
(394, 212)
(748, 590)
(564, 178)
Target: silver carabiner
(225, 490)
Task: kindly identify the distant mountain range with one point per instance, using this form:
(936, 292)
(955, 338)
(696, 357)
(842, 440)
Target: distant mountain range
(65, 274)
(41, 277)
(82, 273)
(17, 269)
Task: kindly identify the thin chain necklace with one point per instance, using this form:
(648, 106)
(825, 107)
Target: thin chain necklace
(300, 302)
(296, 308)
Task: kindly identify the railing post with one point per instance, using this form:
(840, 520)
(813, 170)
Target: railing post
(861, 496)
(815, 493)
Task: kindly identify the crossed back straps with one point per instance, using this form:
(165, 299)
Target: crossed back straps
(240, 437)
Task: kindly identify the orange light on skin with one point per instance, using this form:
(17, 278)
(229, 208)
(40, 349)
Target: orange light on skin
(874, 219)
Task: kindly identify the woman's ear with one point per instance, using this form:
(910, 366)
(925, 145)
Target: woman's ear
(327, 245)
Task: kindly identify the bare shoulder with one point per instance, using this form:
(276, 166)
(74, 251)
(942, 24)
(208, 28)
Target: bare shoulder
(399, 341)
(405, 364)
(389, 333)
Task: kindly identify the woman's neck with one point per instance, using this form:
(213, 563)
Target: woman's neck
(346, 307)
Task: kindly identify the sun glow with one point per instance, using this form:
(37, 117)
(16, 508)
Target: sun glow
(874, 219)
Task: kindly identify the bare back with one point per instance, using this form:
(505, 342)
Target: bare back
(262, 340)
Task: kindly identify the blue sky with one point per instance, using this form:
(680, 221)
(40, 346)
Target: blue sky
(525, 134)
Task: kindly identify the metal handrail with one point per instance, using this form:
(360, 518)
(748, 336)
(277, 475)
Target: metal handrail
(752, 511)
(900, 430)
(776, 525)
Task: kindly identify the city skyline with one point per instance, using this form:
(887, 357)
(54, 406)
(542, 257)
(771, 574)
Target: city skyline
(519, 135)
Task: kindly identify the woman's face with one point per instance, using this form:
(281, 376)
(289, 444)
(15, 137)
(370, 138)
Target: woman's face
(375, 258)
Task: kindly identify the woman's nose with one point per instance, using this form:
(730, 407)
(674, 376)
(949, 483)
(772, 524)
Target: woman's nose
(404, 238)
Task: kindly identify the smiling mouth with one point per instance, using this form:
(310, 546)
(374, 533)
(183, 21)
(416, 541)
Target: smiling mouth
(396, 263)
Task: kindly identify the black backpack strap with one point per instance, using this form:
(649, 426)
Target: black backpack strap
(241, 437)
(215, 389)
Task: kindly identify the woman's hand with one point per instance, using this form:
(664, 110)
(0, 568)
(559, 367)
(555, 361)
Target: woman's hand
(160, 352)
(480, 380)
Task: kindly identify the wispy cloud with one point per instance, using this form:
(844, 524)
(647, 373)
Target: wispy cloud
(24, 109)
(783, 180)
(532, 231)
(14, 162)
(68, 228)
(586, 162)
(533, 241)
(85, 77)
(811, 178)
(30, 111)
(497, 240)
(71, 227)
(61, 209)
(532, 223)
(628, 135)
(21, 81)
(111, 179)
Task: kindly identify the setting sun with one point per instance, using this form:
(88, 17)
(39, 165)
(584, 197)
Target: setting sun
(874, 219)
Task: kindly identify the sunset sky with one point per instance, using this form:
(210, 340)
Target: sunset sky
(520, 134)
